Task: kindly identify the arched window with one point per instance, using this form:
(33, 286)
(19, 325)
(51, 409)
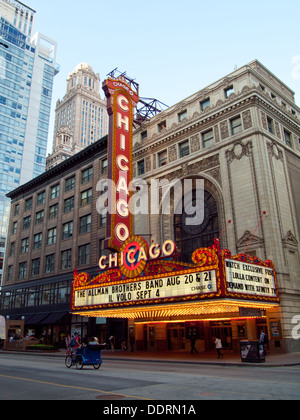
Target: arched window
(188, 238)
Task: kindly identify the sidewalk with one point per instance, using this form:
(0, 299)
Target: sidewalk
(230, 359)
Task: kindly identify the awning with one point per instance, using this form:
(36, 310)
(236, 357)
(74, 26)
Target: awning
(14, 317)
(53, 318)
(36, 318)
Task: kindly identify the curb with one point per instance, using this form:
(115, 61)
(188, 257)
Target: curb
(106, 356)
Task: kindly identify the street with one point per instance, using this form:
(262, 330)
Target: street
(31, 377)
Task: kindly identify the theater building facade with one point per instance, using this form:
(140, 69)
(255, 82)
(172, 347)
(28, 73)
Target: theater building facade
(234, 147)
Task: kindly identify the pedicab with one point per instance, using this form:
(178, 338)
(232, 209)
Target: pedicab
(88, 355)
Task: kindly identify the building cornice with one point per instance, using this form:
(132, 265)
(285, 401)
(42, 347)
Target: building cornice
(211, 114)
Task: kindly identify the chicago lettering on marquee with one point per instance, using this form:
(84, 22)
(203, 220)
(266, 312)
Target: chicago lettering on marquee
(121, 102)
(134, 255)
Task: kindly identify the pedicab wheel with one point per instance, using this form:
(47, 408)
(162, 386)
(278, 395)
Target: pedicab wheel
(68, 361)
(97, 365)
(79, 362)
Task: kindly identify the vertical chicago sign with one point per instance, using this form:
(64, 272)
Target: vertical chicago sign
(121, 103)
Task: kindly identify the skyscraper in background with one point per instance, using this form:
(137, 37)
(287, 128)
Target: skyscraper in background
(80, 117)
(27, 69)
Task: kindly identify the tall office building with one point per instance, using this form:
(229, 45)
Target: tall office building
(80, 117)
(27, 68)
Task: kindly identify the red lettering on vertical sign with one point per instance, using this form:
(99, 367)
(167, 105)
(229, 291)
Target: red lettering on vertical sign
(121, 102)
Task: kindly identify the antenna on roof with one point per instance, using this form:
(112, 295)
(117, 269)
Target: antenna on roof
(147, 107)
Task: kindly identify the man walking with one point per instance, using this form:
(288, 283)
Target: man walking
(218, 344)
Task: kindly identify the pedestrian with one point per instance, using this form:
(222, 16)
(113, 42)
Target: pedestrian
(75, 342)
(112, 343)
(124, 346)
(68, 341)
(193, 343)
(263, 339)
(132, 341)
(218, 344)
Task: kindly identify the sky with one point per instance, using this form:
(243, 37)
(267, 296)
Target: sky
(172, 48)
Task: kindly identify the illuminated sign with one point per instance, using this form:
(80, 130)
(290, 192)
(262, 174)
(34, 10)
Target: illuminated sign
(165, 288)
(121, 101)
(250, 279)
(134, 254)
(160, 282)
(215, 274)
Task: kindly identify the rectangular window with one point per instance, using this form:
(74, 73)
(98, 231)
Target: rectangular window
(12, 249)
(270, 125)
(144, 135)
(17, 208)
(104, 166)
(182, 115)
(161, 126)
(37, 241)
(53, 211)
(67, 231)
(64, 292)
(85, 224)
(47, 294)
(86, 197)
(103, 218)
(26, 222)
(84, 255)
(236, 125)
(51, 237)
(162, 158)
(184, 149)
(35, 267)
(70, 184)
(208, 138)
(39, 217)
(141, 167)
(31, 297)
(24, 245)
(69, 205)
(66, 259)
(54, 192)
(28, 204)
(49, 267)
(228, 91)
(287, 138)
(204, 104)
(14, 228)
(87, 175)
(22, 270)
(41, 198)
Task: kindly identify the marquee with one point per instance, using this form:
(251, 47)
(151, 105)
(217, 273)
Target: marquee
(215, 276)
